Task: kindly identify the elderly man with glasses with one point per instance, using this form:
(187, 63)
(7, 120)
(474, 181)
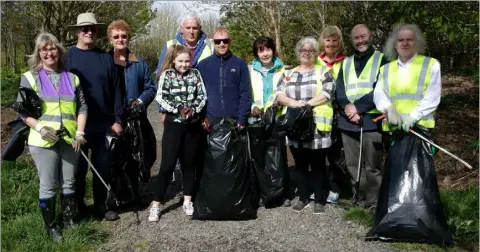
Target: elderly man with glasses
(99, 80)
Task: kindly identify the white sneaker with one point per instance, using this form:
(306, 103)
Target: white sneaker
(312, 197)
(188, 208)
(154, 214)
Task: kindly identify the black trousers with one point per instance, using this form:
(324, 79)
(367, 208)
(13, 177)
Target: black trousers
(180, 141)
(314, 159)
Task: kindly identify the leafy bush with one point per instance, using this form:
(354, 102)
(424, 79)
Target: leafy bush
(10, 82)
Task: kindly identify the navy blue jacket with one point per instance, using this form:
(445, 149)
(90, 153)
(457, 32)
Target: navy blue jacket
(101, 85)
(363, 104)
(138, 81)
(227, 82)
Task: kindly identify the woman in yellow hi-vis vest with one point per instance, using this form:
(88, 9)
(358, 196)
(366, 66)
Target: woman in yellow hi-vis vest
(331, 55)
(269, 155)
(313, 85)
(63, 108)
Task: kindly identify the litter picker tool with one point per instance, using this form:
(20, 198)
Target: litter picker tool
(359, 167)
(430, 142)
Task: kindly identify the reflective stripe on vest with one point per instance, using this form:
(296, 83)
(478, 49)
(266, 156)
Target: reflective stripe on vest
(356, 88)
(58, 107)
(406, 92)
(323, 113)
(205, 52)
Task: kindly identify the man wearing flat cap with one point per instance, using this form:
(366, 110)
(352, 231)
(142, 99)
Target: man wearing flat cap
(100, 82)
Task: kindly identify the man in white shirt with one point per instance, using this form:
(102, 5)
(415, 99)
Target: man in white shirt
(409, 88)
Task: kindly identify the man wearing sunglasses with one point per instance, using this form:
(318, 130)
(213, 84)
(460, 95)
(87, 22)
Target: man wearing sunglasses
(100, 82)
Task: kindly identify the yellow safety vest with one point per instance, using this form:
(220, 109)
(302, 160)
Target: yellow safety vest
(335, 68)
(207, 50)
(323, 113)
(356, 88)
(56, 110)
(257, 87)
(406, 92)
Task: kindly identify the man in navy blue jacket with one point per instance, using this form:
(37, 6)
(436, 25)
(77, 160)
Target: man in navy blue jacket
(227, 82)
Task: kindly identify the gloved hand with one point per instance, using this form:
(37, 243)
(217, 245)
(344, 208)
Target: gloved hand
(48, 133)
(393, 116)
(78, 141)
(407, 123)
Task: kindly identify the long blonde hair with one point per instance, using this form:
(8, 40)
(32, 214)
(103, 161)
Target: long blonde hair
(331, 31)
(43, 39)
(172, 52)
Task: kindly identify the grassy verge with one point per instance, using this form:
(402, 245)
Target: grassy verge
(461, 210)
(22, 224)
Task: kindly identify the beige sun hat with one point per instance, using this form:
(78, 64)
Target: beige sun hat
(86, 19)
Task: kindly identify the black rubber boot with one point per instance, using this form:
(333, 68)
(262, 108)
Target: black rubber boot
(69, 210)
(48, 213)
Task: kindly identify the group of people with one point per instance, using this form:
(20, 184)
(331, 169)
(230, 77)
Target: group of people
(200, 84)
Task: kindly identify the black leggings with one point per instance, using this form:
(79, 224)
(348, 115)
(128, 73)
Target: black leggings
(305, 158)
(180, 141)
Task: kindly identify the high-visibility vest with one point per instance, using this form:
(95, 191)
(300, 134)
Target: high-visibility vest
(257, 87)
(323, 113)
(58, 107)
(406, 92)
(335, 68)
(207, 50)
(357, 87)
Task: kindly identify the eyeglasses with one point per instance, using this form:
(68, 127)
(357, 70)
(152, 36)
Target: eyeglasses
(123, 36)
(52, 50)
(225, 41)
(307, 51)
(85, 29)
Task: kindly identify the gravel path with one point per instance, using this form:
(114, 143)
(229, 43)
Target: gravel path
(278, 229)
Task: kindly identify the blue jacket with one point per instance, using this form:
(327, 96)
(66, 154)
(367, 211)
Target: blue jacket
(268, 78)
(227, 82)
(138, 81)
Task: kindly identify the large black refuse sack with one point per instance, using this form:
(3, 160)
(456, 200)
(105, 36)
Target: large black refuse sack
(225, 191)
(16, 144)
(409, 207)
(269, 161)
(297, 123)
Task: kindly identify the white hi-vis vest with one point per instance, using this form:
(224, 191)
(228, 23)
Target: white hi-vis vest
(207, 50)
(406, 92)
(323, 113)
(257, 87)
(356, 88)
(57, 110)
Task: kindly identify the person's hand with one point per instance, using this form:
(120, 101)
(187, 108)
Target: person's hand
(393, 116)
(117, 128)
(350, 111)
(407, 123)
(298, 104)
(240, 126)
(48, 133)
(355, 119)
(206, 124)
(162, 118)
(187, 113)
(256, 112)
(78, 141)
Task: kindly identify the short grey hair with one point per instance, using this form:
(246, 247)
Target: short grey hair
(420, 43)
(43, 39)
(306, 40)
(189, 16)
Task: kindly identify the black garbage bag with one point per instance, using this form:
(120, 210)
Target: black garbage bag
(297, 123)
(225, 191)
(16, 144)
(269, 162)
(30, 106)
(409, 207)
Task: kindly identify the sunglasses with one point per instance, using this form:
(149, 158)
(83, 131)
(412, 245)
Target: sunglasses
(218, 41)
(86, 29)
(123, 36)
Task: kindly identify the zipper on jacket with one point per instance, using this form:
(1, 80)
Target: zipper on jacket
(221, 86)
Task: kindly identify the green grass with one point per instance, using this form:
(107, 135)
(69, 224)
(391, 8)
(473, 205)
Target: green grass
(22, 224)
(461, 211)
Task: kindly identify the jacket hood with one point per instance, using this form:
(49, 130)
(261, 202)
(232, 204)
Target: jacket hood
(277, 64)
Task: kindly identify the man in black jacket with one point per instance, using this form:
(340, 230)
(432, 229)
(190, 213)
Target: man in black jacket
(354, 95)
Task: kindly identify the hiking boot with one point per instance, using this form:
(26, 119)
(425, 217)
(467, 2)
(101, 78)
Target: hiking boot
(69, 210)
(154, 214)
(48, 213)
(286, 203)
(318, 208)
(332, 197)
(300, 206)
(188, 208)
